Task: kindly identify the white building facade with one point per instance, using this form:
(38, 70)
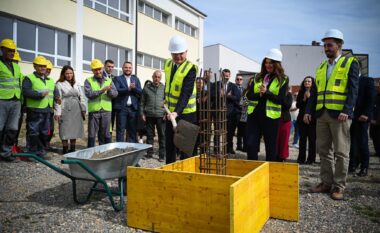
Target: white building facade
(218, 56)
(73, 33)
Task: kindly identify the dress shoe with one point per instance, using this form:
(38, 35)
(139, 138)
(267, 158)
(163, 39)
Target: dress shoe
(337, 194)
(363, 172)
(321, 188)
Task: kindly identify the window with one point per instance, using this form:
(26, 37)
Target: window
(186, 28)
(103, 51)
(150, 61)
(115, 8)
(153, 12)
(34, 39)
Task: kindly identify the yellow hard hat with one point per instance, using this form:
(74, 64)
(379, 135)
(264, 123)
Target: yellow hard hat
(40, 60)
(49, 65)
(96, 64)
(17, 57)
(8, 43)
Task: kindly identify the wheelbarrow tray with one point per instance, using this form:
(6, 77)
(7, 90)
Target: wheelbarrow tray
(106, 168)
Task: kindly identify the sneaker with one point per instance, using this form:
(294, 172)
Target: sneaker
(321, 188)
(296, 146)
(141, 141)
(337, 194)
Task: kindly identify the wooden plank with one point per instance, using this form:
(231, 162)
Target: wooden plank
(284, 191)
(250, 201)
(187, 165)
(171, 201)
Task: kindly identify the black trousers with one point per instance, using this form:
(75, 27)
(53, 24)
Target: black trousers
(232, 123)
(307, 133)
(153, 123)
(259, 124)
(241, 141)
(359, 151)
(374, 132)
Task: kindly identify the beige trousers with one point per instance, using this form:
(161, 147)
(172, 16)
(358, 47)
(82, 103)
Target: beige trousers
(333, 141)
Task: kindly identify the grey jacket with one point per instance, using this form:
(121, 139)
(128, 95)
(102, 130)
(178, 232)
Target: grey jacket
(151, 100)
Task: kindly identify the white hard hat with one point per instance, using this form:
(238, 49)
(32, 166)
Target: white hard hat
(333, 33)
(274, 54)
(177, 44)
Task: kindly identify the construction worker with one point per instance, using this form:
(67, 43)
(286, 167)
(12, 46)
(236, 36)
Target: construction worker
(337, 89)
(180, 92)
(38, 91)
(49, 66)
(266, 92)
(99, 90)
(16, 57)
(10, 94)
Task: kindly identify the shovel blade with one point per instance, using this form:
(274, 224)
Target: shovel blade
(185, 136)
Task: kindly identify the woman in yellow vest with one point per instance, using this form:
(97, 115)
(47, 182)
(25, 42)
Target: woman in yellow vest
(38, 91)
(265, 94)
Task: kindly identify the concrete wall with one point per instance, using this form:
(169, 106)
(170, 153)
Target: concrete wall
(218, 56)
(300, 61)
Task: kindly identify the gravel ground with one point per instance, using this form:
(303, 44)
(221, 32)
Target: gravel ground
(34, 198)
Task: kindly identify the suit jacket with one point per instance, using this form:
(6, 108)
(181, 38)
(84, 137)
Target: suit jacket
(233, 106)
(366, 98)
(123, 90)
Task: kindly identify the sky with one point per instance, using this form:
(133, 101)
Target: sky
(253, 27)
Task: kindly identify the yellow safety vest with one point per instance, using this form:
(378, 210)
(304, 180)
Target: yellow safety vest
(41, 86)
(9, 83)
(173, 89)
(273, 110)
(103, 101)
(333, 95)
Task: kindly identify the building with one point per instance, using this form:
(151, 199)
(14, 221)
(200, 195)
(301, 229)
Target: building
(75, 32)
(300, 61)
(218, 56)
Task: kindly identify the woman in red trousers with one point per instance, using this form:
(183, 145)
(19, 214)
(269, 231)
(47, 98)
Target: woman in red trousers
(284, 129)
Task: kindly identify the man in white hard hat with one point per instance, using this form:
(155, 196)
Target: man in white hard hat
(337, 88)
(180, 91)
(10, 94)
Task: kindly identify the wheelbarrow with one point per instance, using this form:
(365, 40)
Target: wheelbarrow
(83, 167)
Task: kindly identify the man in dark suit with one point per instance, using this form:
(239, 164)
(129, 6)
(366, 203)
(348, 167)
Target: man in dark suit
(359, 152)
(232, 94)
(127, 103)
(107, 73)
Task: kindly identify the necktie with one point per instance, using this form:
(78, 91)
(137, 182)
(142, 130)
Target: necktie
(175, 68)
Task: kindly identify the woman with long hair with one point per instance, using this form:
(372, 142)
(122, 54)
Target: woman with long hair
(307, 132)
(266, 92)
(69, 109)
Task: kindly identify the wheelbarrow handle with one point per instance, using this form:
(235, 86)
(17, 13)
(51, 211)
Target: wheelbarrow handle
(174, 122)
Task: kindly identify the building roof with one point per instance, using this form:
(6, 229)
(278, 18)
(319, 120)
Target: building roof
(192, 7)
(219, 44)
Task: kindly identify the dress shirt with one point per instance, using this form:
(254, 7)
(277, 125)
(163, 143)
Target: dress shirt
(128, 79)
(330, 67)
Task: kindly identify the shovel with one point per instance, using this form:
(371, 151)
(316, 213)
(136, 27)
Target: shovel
(185, 134)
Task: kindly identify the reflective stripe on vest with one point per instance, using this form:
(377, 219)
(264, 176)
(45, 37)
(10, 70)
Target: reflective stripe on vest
(9, 83)
(333, 95)
(273, 110)
(172, 95)
(41, 86)
(103, 101)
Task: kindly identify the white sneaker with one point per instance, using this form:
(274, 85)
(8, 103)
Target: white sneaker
(141, 140)
(296, 146)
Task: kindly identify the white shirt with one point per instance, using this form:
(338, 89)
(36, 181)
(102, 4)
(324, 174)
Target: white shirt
(128, 79)
(330, 67)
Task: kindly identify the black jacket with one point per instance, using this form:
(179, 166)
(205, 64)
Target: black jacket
(285, 106)
(301, 104)
(366, 98)
(233, 106)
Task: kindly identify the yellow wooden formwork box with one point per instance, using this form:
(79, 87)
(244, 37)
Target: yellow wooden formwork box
(178, 198)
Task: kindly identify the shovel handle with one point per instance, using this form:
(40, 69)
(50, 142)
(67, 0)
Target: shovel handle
(174, 123)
